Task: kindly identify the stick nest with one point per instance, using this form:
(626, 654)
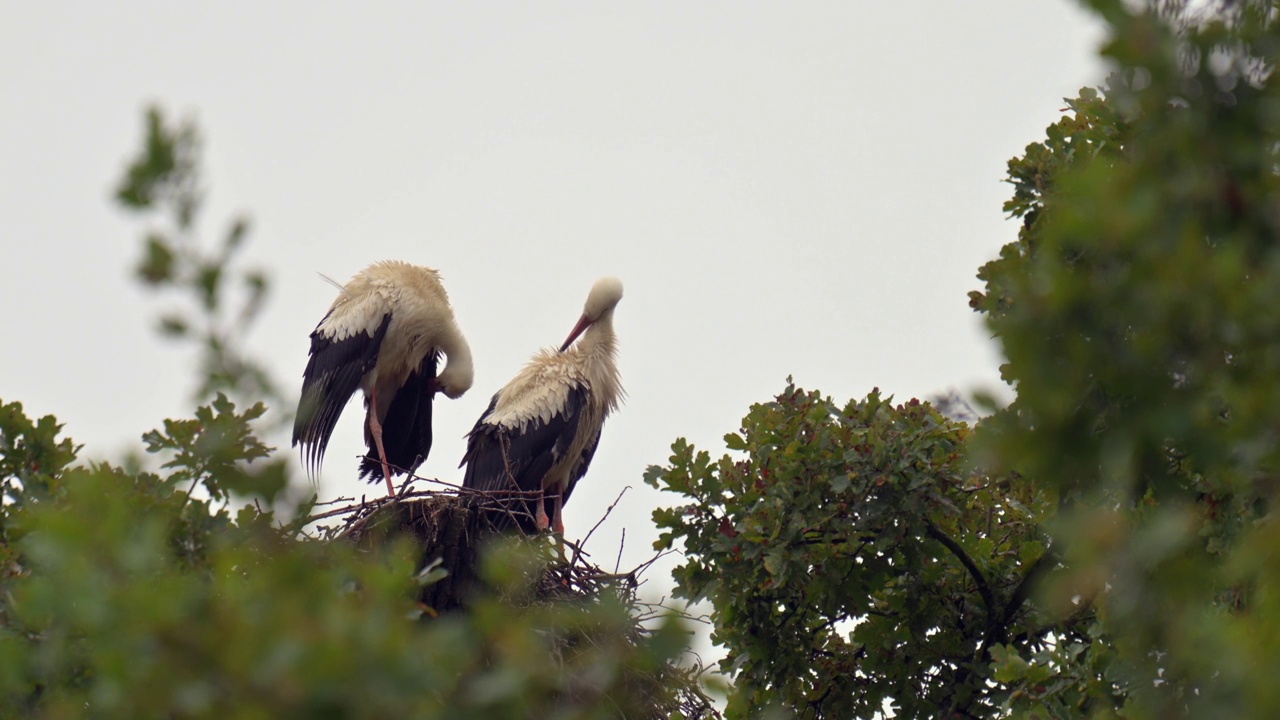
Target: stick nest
(452, 525)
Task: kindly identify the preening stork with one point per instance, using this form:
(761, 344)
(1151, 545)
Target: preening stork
(384, 334)
(541, 430)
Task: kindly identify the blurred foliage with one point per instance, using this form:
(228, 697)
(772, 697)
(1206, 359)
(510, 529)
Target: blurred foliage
(1139, 311)
(163, 183)
(126, 595)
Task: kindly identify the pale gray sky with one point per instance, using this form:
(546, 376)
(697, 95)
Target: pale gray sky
(797, 189)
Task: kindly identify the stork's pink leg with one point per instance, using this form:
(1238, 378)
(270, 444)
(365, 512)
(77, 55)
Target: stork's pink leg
(557, 521)
(540, 515)
(375, 427)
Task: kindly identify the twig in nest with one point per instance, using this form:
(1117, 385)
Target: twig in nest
(438, 481)
(607, 511)
(334, 501)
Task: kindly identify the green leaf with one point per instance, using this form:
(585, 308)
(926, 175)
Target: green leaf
(1009, 667)
(1030, 551)
(157, 264)
(236, 234)
(209, 281)
(174, 325)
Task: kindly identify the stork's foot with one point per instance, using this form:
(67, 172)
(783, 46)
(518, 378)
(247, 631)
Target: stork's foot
(540, 518)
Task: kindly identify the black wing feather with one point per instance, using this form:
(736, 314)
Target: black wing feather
(333, 373)
(504, 459)
(406, 430)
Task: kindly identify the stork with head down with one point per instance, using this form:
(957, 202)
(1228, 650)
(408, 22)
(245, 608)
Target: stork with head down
(541, 430)
(384, 334)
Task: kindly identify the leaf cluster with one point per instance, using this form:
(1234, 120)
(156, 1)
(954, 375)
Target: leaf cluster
(214, 450)
(854, 561)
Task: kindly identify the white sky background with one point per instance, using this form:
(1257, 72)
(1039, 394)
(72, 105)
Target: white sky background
(797, 189)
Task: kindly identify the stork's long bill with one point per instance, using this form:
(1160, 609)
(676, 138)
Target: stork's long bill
(584, 322)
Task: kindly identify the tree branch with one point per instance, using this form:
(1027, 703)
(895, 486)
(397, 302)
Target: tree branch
(984, 588)
(1043, 564)
(997, 628)
(988, 599)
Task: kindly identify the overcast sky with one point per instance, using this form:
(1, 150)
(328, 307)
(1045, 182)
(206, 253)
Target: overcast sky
(799, 189)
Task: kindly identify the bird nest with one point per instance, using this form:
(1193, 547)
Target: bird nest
(452, 526)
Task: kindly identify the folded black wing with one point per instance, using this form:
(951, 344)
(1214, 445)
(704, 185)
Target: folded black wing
(518, 458)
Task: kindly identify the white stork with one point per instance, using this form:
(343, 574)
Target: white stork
(384, 334)
(540, 431)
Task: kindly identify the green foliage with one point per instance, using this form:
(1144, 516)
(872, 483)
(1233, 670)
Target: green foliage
(1138, 311)
(31, 455)
(212, 450)
(124, 595)
(163, 183)
(852, 559)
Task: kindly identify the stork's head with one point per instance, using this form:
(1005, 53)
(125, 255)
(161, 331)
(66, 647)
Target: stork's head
(454, 380)
(456, 376)
(603, 298)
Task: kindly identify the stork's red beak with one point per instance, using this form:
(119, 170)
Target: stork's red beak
(583, 323)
